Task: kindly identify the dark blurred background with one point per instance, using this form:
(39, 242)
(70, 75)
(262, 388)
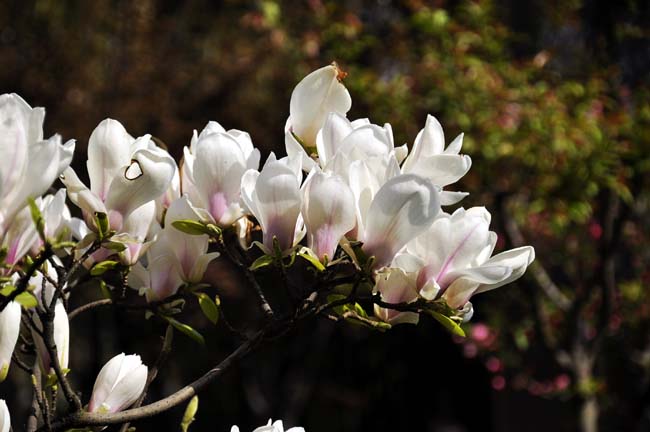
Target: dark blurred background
(554, 100)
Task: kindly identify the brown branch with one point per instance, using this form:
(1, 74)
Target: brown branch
(23, 282)
(89, 306)
(82, 419)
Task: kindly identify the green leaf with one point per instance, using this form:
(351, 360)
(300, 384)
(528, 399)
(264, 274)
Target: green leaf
(103, 267)
(312, 260)
(103, 227)
(114, 246)
(37, 217)
(27, 300)
(262, 261)
(7, 290)
(190, 412)
(106, 292)
(209, 307)
(447, 323)
(192, 227)
(186, 330)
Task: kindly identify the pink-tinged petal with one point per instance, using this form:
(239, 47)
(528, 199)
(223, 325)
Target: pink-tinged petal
(403, 208)
(459, 292)
(318, 94)
(328, 211)
(217, 171)
(396, 286)
(276, 200)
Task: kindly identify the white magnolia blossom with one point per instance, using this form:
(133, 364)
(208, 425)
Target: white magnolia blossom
(29, 163)
(274, 197)
(317, 95)
(271, 426)
(119, 384)
(126, 176)
(9, 330)
(212, 171)
(404, 207)
(5, 418)
(174, 258)
(61, 325)
(328, 211)
(452, 259)
(443, 166)
(396, 286)
(173, 192)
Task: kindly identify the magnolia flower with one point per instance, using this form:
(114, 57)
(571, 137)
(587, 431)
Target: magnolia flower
(9, 329)
(403, 208)
(212, 172)
(452, 258)
(20, 237)
(273, 196)
(276, 426)
(126, 176)
(396, 286)
(174, 258)
(5, 419)
(328, 211)
(61, 324)
(57, 218)
(318, 94)
(173, 192)
(119, 384)
(29, 164)
(341, 142)
(430, 159)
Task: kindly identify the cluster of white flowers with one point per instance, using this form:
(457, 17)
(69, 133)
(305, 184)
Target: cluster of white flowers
(344, 188)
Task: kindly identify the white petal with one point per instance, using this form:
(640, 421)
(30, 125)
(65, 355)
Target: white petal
(61, 334)
(329, 212)
(217, 172)
(145, 179)
(396, 286)
(109, 149)
(79, 194)
(277, 199)
(293, 148)
(9, 329)
(516, 259)
(318, 94)
(5, 418)
(127, 390)
(429, 141)
(448, 198)
(403, 208)
(442, 169)
(330, 137)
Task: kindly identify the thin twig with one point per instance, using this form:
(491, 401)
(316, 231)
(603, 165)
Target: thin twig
(81, 418)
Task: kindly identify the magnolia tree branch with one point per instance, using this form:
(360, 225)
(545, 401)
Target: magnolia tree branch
(82, 419)
(23, 282)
